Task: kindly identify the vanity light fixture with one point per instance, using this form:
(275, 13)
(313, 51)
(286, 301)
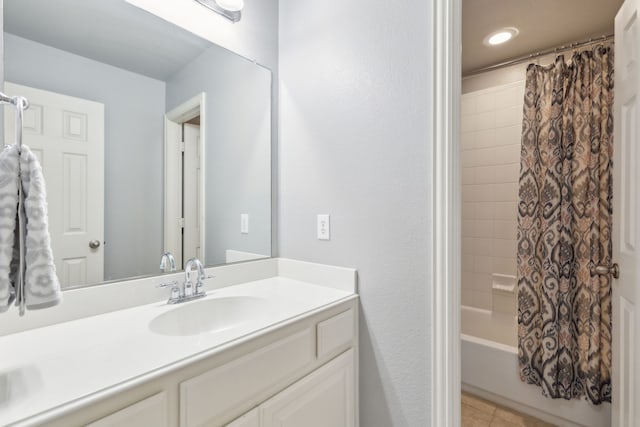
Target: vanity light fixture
(501, 36)
(230, 9)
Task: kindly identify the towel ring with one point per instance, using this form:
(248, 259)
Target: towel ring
(21, 102)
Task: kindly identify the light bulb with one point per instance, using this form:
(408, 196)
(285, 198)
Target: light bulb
(231, 5)
(501, 36)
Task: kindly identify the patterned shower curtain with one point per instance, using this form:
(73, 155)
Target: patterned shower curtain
(564, 227)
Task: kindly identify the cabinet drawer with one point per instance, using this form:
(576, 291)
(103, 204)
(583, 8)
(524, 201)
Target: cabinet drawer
(335, 333)
(152, 411)
(213, 397)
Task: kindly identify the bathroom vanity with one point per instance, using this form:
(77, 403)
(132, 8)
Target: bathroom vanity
(274, 343)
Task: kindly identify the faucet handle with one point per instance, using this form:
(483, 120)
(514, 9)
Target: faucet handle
(200, 283)
(168, 284)
(175, 289)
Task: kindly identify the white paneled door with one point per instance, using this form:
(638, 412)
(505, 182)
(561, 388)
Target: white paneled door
(67, 136)
(626, 160)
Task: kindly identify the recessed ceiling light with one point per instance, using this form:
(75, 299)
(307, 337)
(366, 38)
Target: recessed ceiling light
(501, 36)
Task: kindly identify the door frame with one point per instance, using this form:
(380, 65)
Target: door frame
(446, 213)
(173, 121)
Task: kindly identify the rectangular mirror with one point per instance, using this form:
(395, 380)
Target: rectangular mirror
(151, 139)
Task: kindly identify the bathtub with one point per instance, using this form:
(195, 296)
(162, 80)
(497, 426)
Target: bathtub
(490, 370)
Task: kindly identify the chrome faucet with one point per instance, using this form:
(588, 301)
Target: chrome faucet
(189, 291)
(167, 257)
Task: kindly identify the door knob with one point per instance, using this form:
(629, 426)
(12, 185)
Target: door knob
(94, 244)
(603, 270)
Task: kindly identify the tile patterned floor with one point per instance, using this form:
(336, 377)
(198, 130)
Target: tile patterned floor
(477, 412)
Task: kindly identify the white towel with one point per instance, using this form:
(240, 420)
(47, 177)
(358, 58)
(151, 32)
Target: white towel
(40, 287)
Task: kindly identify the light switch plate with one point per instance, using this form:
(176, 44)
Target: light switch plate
(324, 227)
(244, 223)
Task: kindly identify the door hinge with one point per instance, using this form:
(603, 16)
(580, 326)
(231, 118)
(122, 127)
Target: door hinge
(181, 222)
(182, 146)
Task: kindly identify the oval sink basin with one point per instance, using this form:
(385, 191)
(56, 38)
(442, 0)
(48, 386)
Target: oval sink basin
(208, 316)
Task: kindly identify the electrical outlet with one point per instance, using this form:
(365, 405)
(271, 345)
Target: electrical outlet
(324, 227)
(244, 223)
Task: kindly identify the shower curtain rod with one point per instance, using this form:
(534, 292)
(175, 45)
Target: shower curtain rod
(526, 58)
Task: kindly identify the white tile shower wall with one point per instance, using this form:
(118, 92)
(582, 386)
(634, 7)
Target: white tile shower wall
(491, 124)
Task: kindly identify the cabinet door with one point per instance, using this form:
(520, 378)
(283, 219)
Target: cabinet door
(323, 398)
(221, 394)
(152, 411)
(250, 419)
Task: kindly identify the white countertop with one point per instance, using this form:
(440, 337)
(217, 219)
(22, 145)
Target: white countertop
(56, 368)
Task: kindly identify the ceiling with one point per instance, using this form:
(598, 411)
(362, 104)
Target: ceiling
(543, 24)
(109, 31)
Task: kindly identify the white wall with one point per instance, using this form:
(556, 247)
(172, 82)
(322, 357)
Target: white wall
(491, 124)
(355, 143)
(490, 140)
(502, 76)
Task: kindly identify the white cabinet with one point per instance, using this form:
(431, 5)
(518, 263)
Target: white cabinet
(324, 398)
(321, 399)
(336, 333)
(300, 374)
(217, 394)
(250, 419)
(152, 411)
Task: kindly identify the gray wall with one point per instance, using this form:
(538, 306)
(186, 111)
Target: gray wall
(255, 37)
(237, 148)
(134, 132)
(2, 67)
(355, 143)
